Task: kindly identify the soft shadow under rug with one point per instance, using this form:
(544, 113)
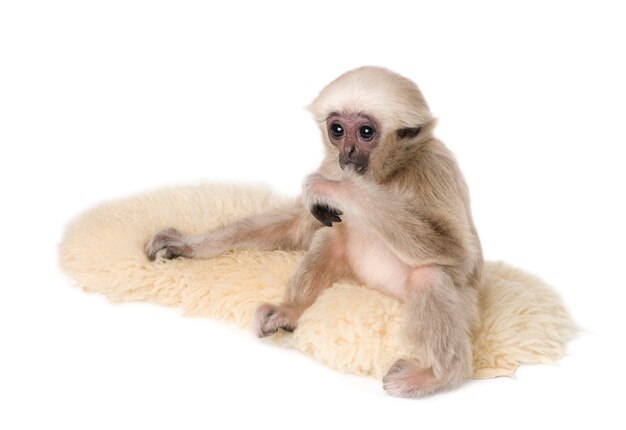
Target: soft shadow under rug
(350, 327)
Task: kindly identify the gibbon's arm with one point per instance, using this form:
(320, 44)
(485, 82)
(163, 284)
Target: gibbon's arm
(416, 237)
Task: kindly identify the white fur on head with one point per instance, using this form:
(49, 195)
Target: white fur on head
(393, 99)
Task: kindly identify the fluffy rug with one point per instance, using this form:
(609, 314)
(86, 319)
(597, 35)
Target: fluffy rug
(350, 327)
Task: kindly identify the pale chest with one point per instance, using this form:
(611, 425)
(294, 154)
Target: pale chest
(374, 263)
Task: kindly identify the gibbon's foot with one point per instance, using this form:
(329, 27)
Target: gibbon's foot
(269, 318)
(407, 379)
(168, 244)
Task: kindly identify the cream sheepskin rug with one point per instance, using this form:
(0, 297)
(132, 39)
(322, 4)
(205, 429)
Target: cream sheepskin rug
(349, 327)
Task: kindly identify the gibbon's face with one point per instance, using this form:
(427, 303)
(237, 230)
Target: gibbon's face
(355, 135)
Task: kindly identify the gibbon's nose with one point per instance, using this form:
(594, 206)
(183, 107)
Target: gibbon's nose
(351, 151)
(347, 155)
(351, 156)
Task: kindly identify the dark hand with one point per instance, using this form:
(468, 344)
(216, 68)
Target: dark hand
(325, 214)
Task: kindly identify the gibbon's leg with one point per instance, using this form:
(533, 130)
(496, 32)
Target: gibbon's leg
(289, 228)
(322, 265)
(441, 317)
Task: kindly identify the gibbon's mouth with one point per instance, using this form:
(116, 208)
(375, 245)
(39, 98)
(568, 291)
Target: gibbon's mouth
(360, 168)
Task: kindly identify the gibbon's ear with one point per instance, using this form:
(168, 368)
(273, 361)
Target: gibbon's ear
(408, 133)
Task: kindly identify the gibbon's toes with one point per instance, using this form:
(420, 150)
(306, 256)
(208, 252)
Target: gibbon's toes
(170, 252)
(167, 244)
(407, 379)
(269, 318)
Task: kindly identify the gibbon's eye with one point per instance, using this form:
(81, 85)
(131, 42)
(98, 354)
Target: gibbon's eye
(367, 132)
(336, 130)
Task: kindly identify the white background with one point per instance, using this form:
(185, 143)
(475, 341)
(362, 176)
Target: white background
(100, 100)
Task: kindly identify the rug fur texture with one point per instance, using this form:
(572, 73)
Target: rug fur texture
(350, 327)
